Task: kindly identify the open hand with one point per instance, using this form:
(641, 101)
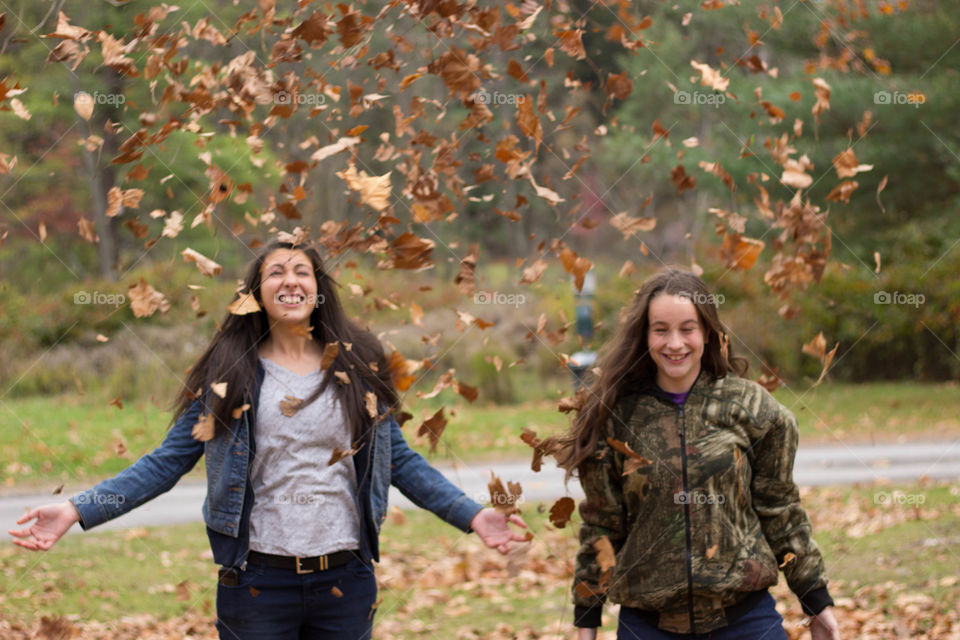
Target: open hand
(52, 521)
(492, 527)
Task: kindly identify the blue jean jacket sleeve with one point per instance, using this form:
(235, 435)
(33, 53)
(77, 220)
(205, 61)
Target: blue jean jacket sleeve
(425, 486)
(145, 479)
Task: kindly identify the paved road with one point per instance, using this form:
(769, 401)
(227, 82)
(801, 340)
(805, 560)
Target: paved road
(834, 465)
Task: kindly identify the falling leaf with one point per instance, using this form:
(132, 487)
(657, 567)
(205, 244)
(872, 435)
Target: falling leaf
(846, 164)
(709, 77)
(83, 104)
(244, 304)
(560, 512)
(433, 428)
(629, 226)
(330, 352)
(881, 187)
(532, 273)
(116, 402)
(712, 551)
(203, 429)
(236, 413)
(740, 252)
(503, 499)
(788, 557)
(416, 314)
(336, 592)
(145, 300)
(634, 460)
(370, 402)
(876, 259)
(342, 377)
(339, 454)
(374, 190)
(331, 149)
(290, 405)
(219, 388)
(206, 266)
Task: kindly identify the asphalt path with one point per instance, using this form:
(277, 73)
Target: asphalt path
(815, 466)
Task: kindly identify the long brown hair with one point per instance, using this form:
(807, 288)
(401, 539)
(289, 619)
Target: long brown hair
(233, 355)
(625, 363)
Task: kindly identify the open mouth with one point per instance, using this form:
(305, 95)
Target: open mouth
(291, 298)
(676, 358)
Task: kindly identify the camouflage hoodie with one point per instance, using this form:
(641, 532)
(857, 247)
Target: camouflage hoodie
(708, 521)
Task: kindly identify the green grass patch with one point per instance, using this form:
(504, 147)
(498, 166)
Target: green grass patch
(72, 439)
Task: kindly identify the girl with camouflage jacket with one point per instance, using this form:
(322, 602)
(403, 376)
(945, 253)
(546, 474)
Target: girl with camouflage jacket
(690, 505)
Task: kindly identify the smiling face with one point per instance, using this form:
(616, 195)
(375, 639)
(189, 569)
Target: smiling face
(675, 339)
(288, 287)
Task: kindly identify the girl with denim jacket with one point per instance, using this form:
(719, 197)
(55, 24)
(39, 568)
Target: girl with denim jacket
(687, 469)
(301, 446)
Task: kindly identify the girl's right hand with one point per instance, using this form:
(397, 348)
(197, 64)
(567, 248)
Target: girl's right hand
(52, 521)
(587, 633)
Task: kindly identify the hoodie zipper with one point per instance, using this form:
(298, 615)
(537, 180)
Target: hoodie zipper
(687, 520)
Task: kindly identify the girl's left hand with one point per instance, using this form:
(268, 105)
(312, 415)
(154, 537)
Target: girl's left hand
(491, 526)
(824, 626)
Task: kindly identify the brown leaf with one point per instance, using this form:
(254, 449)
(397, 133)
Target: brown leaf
(504, 500)
(370, 402)
(787, 559)
(739, 252)
(629, 226)
(560, 512)
(330, 352)
(290, 405)
(244, 304)
(533, 273)
(336, 592)
(206, 266)
(528, 121)
(219, 388)
(341, 377)
(339, 454)
(847, 166)
(203, 429)
(374, 190)
(634, 460)
(236, 413)
(572, 403)
(145, 300)
(433, 428)
(681, 180)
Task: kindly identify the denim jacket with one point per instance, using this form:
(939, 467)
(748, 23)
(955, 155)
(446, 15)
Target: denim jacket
(384, 459)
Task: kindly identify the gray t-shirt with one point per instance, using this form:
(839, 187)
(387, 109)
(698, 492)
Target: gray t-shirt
(302, 506)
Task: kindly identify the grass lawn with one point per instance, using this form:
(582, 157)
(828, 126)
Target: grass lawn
(892, 562)
(73, 439)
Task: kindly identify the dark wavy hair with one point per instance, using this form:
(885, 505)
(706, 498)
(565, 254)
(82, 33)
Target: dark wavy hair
(233, 354)
(625, 363)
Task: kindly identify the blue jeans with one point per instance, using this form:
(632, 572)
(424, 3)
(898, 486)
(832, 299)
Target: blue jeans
(760, 623)
(280, 604)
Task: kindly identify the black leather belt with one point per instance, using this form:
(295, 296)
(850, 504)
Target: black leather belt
(301, 564)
